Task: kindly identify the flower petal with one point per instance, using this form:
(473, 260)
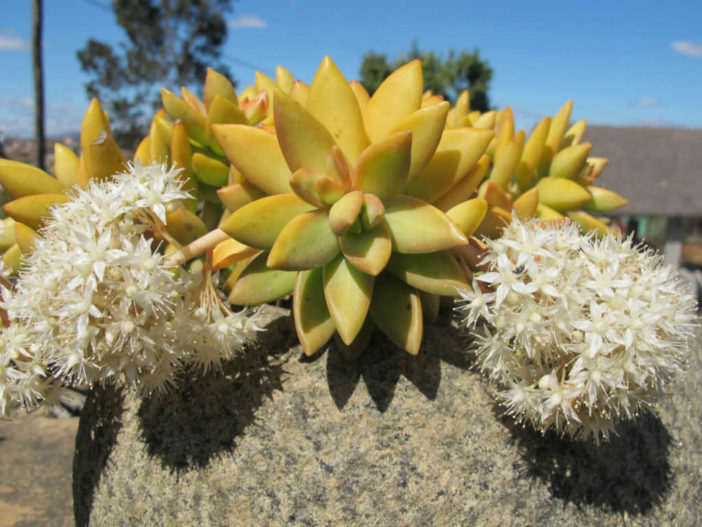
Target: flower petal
(348, 293)
(417, 227)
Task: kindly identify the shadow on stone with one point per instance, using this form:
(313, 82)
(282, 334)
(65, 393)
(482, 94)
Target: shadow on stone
(383, 363)
(96, 437)
(203, 416)
(629, 473)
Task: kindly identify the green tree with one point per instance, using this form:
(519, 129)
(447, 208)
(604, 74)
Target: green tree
(447, 77)
(170, 43)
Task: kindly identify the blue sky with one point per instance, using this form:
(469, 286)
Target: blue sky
(622, 62)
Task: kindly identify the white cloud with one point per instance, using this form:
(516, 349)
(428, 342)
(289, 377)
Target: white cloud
(250, 21)
(687, 47)
(11, 42)
(646, 102)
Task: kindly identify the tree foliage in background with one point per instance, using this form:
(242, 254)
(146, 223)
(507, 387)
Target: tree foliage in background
(170, 43)
(447, 77)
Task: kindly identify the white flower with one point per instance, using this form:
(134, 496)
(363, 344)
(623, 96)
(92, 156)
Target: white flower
(579, 332)
(95, 300)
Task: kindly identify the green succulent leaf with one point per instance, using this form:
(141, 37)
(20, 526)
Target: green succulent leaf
(438, 273)
(397, 311)
(259, 223)
(303, 140)
(257, 284)
(384, 166)
(348, 293)
(417, 227)
(468, 215)
(19, 179)
(306, 242)
(209, 170)
(345, 212)
(313, 322)
(368, 251)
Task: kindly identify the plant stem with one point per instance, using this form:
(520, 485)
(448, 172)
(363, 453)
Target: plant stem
(197, 247)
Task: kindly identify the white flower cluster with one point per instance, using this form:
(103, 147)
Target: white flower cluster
(95, 301)
(578, 332)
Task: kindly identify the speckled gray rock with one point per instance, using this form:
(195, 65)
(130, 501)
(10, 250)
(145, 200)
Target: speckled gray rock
(278, 439)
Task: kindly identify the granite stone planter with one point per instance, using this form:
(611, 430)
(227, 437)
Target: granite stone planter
(279, 439)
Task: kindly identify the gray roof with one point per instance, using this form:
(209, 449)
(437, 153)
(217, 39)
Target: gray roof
(659, 170)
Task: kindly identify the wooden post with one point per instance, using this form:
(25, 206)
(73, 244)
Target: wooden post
(672, 249)
(38, 82)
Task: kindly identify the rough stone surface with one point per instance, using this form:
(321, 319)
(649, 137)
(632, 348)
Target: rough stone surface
(278, 439)
(35, 471)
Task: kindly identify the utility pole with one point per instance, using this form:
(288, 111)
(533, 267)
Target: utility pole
(38, 82)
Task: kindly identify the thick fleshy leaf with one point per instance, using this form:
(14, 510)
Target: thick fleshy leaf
(426, 125)
(372, 211)
(468, 215)
(209, 170)
(25, 237)
(313, 322)
(397, 97)
(229, 251)
(494, 195)
(494, 222)
(222, 111)
(345, 212)
(355, 349)
(142, 153)
(237, 269)
(257, 284)
(299, 93)
(504, 132)
(348, 293)
(100, 155)
(486, 120)
(7, 233)
(437, 273)
(588, 223)
(568, 163)
(554, 137)
(305, 242)
(257, 155)
(259, 223)
(527, 204)
(159, 145)
(430, 305)
(562, 194)
(360, 93)
(457, 115)
(235, 196)
(458, 151)
(32, 210)
(177, 108)
(507, 161)
(184, 226)
(284, 79)
(65, 165)
(332, 102)
(526, 169)
(368, 251)
(397, 311)
(417, 227)
(597, 164)
(574, 134)
(466, 187)
(193, 100)
(304, 183)
(384, 166)
(181, 157)
(546, 213)
(12, 258)
(216, 85)
(303, 140)
(19, 179)
(604, 200)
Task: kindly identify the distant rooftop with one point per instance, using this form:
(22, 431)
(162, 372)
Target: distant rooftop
(658, 169)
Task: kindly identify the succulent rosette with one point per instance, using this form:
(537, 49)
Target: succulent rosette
(346, 221)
